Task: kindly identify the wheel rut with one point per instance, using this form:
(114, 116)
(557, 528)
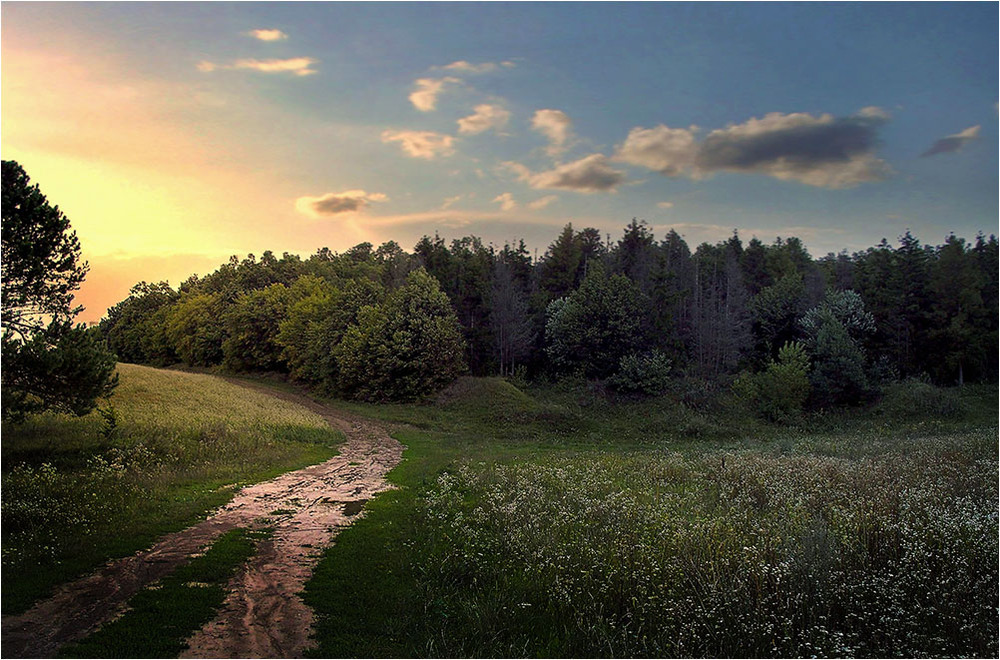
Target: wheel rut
(263, 615)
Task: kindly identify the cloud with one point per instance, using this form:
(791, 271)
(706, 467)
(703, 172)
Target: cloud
(268, 35)
(486, 116)
(587, 175)
(824, 151)
(424, 97)
(332, 204)
(665, 205)
(299, 66)
(556, 126)
(421, 144)
(507, 202)
(953, 143)
(669, 151)
(448, 201)
(542, 202)
(469, 67)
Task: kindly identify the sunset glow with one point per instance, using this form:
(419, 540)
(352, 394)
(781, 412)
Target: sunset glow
(175, 135)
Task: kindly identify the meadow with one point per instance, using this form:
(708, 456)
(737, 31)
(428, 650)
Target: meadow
(549, 520)
(556, 522)
(165, 449)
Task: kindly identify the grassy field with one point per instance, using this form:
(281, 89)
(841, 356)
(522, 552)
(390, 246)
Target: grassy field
(168, 447)
(553, 522)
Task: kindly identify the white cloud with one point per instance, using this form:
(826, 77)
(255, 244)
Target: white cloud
(486, 117)
(665, 205)
(469, 67)
(821, 151)
(421, 144)
(554, 125)
(330, 204)
(448, 201)
(268, 35)
(669, 151)
(542, 202)
(587, 175)
(424, 97)
(299, 66)
(507, 202)
(874, 112)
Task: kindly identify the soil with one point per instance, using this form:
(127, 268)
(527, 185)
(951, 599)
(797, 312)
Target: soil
(263, 615)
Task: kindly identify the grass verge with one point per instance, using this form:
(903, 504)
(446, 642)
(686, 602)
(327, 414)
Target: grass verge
(169, 448)
(163, 615)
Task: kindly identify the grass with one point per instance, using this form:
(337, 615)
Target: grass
(80, 490)
(161, 617)
(554, 522)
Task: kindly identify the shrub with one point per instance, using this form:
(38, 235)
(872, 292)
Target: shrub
(779, 392)
(643, 373)
(252, 323)
(592, 329)
(916, 398)
(403, 349)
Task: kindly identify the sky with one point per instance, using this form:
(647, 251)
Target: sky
(174, 135)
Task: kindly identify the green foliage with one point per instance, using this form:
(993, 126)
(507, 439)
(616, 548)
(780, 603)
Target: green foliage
(643, 373)
(590, 331)
(775, 310)
(316, 324)
(40, 262)
(914, 398)
(847, 307)
(838, 375)
(63, 368)
(779, 392)
(195, 326)
(134, 328)
(405, 348)
(47, 363)
(252, 323)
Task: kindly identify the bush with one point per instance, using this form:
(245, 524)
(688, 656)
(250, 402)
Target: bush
(778, 393)
(916, 398)
(646, 374)
(403, 349)
(591, 330)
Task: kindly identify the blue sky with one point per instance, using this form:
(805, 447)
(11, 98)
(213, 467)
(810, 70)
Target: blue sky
(173, 135)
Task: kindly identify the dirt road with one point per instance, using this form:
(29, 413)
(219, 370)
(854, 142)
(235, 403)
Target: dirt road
(263, 616)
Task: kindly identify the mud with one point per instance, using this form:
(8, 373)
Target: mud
(263, 615)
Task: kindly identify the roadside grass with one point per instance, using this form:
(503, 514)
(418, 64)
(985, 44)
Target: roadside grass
(161, 617)
(78, 491)
(557, 522)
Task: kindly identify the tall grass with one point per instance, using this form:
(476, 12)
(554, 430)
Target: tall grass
(737, 554)
(558, 523)
(168, 447)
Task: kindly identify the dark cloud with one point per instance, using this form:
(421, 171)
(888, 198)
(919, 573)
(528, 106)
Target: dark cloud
(821, 151)
(336, 203)
(587, 175)
(953, 143)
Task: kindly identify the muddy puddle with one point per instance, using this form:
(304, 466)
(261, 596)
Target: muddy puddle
(263, 615)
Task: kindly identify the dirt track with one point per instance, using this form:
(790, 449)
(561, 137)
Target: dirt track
(263, 616)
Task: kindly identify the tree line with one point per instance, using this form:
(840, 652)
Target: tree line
(769, 322)
(638, 313)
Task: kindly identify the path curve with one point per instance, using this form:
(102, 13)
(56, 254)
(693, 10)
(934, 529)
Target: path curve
(263, 615)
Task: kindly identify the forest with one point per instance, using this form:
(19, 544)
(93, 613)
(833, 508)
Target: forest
(639, 316)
